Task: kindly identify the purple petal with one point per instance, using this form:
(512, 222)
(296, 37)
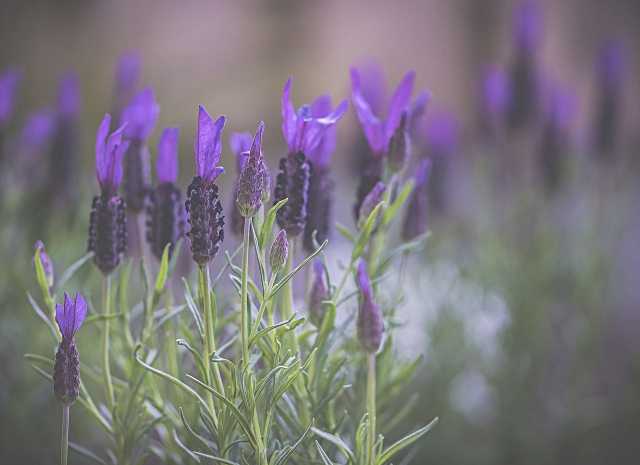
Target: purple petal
(321, 106)
(496, 92)
(288, 116)
(141, 115)
(208, 145)
(612, 63)
(334, 117)
(101, 147)
(528, 25)
(422, 172)
(256, 147)
(240, 145)
(70, 315)
(373, 86)
(399, 102)
(37, 131)
(417, 110)
(371, 125)
(442, 133)
(69, 96)
(109, 153)
(167, 162)
(127, 74)
(8, 86)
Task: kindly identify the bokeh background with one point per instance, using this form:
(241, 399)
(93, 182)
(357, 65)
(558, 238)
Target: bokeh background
(526, 301)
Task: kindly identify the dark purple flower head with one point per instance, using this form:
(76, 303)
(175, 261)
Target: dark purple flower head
(373, 198)
(399, 146)
(496, 93)
(70, 315)
(611, 64)
(370, 321)
(69, 96)
(208, 145)
(279, 251)
(240, 145)
(110, 150)
(302, 130)
(47, 264)
(442, 133)
(141, 115)
(37, 131)
(8, 86)
(127, 75)
(527, 24)
(167, 161)
(378, 130)
(253, 178)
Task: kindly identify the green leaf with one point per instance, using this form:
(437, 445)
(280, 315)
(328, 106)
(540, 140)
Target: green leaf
(86, 453)
(336, 441)
(405, 442)
(365, 232)
(391, 212)
(193, 309)
(323, 455)
(214, 458)
(344, 231)
(269, 219)
(286, 279)
(161, 278)
(287, 451)
(43, 316)
(69, 272)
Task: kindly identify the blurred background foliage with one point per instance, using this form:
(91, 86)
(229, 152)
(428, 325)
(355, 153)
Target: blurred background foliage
(526, 302)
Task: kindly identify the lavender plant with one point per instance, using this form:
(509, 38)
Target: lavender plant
(236, 374)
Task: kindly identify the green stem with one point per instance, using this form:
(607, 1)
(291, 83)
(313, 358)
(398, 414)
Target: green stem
(106, 350)
(287, 301)
(64, 440)
(205, 304)
(244, 295)
(371, 407)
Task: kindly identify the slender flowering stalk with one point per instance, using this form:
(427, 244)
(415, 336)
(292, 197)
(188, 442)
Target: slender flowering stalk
(610, 77)
(66, 371)
(240, 145)
(378, 129)
(415, 221)
(204, 214)
(140, 117)
(558, 115)
(165, 210)
(370, 328)
(524, 72)
(252, 183)
(64, 147)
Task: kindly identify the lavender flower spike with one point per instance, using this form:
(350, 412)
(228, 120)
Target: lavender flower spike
(253, 178)
(240, 145)
(108, 221)
(303, 132)
(378, 130)
(279, 251)
(66, 372)
(370, 322)
(9, 81)
(203, 204)
(69, 96)
(165, 211)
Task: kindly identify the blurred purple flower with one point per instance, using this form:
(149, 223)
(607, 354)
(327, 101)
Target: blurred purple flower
(9, 81)
(377, 129)
(417, 111)
(240, 144)
(110, 150)
(611, 64)
(304, 129)
(167, 161)
(527, 24)
(318, 294)
(496, 93)
(320, 156)
(127, 77)
(415, 221)
(37, 131)
(208, 145)
(140, 115)
(441, 132)
(45, 260)
(69, 96)
(373, 198)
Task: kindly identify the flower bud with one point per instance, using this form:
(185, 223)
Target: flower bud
(318, 295)
(279, 251)
(373, 198)
(370, 322)
(47, 264)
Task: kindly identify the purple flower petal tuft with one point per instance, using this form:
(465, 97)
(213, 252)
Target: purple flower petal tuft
(208, 145)
(69, 96)
(240, 145)
(70, 315)
(109, 153)
(141, 115)
(167, 162)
